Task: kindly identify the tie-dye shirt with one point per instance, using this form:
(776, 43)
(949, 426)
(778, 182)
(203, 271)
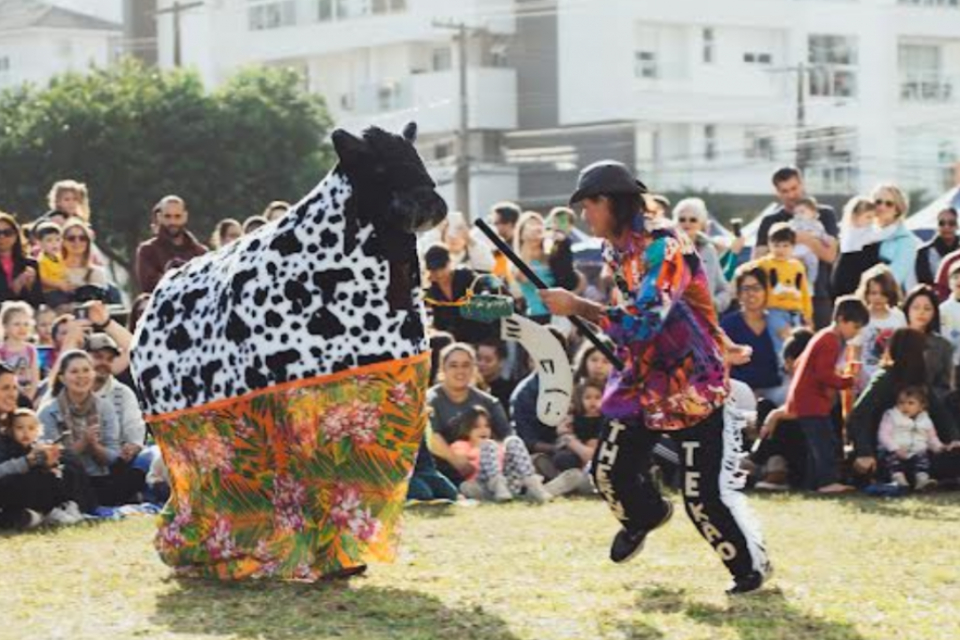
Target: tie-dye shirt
(666, 332)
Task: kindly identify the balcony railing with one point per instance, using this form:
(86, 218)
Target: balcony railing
(274, 14)
(927, 86)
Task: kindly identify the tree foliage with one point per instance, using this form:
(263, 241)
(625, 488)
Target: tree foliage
(134, 134)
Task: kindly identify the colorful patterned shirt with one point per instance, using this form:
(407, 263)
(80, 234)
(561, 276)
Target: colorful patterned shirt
(666, 332)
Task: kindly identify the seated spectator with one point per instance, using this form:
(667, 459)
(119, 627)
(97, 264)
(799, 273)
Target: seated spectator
(907, 439)
(491, 355)
(44, 339)
(21, 274)
(80, 269)
(749, 326)
(87, 424)
(881, 294)
(449, 286)
(789, 302)
(590, 365)
(276, 210)
(499, 471)
(859, 245)
(16, 351)
(172, 242)
(923, 315)
(941, 245)
(427, 483)
(583, 432)
(813, 390)
(454, 396)
(253, 223)
(693, 218)
(57, 291)
(227, 231)
(950, 319)
(903, 367)
(466, 249)
(898, 245)
(133, 430)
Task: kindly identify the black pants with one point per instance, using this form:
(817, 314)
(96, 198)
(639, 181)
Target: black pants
(41, 490)
(710, 466)
(120, 486)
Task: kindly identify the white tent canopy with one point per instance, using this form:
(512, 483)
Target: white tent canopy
(926, 218)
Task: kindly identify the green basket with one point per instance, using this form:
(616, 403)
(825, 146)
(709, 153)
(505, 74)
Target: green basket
(487, 307)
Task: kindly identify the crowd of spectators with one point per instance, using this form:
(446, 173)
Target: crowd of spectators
(854, 327)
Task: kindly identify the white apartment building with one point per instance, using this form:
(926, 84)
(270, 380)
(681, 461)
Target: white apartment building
(705, 95)
(39, 40)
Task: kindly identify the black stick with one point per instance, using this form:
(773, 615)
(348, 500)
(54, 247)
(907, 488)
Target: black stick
(584, 328)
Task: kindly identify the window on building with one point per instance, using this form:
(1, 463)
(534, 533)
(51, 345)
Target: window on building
(710, 142)
(757, 58)
(645, 64)
(759, 146)
(4, 64)
(709, 45)
(921, 76)
(325, 10)
(273, 14)
(830, 154)
(443, 150)
(834, 64)
(932, 3)
(442, 59)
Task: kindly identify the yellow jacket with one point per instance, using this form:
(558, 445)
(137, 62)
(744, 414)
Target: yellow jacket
(787, 287)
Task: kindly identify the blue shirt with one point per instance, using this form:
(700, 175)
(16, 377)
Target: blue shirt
(763, 370)
(535, 306)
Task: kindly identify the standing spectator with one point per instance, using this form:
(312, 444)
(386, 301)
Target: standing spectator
(898, 245)
(139, 305)
(944, 243)
(16, 352)
(276, 210)
(559, 225)
(69, 198)
(253, 223)
(692, 217)
(529, 244)
(788, 294)
(21, 275)
(923, 315)
(859, 245)
(657, 207)
(466, 249)
(904, 367)
(813, 393)
(790, 189)
(448, 288)
(57, 291)
(491, 354)
(228, 230)
(950, 318)
(505, 217)
(78, 257)
(806, 219)
(133, 430)
(881, 295)
(172, 242)
(748, 326)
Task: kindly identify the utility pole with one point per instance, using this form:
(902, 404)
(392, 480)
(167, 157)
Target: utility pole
(462, 179)
(176, 10)
(802, 150)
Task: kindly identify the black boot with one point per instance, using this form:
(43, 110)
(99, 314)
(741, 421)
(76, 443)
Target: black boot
(750, 582)
(626, 545)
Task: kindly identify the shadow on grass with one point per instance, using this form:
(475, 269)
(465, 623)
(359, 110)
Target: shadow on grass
(939, 507)
(760, 616)
(282, 611)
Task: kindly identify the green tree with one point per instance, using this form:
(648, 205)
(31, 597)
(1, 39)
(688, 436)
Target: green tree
(134, 134)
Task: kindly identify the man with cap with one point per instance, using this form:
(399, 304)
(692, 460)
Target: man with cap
(133, 430)
(674, 380)
(448, 286)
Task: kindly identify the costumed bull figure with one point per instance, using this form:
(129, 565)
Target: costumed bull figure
(284, 376)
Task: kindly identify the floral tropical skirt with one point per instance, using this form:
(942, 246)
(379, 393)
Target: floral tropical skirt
(294, 482)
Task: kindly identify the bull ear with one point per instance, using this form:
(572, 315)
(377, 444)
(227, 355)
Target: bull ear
(348, 146)
(410, 132)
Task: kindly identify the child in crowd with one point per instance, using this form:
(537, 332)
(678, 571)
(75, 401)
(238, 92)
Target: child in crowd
(501, 471)
(907, 438)
(858, 245)
(591, 365)
(789, 303)
(584, 434)
(880, 292)
(23, 436)
(950, 316)
(53, 270)
(813, 393)
(16, 351)
(806, 219)
(427, 484)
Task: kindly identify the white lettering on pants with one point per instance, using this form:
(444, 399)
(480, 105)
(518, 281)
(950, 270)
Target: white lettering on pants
(606, 459)
(691, 489)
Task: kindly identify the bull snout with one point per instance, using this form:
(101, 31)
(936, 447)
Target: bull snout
(419, 210)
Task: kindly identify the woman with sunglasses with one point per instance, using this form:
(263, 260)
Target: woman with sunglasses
(692, 217)
(898, 245)
(77, 256)
(20, 279)
(932, 253)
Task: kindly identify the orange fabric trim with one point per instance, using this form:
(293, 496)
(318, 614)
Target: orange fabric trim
(296, 384)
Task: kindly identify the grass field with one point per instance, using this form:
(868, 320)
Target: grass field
(847, 569)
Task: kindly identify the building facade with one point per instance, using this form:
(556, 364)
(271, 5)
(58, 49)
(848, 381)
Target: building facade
(699, 95)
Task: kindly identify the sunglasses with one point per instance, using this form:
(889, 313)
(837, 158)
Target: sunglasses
(76, 239)
(688, 220)
(885, 203)
(752, 288)
(8, 233)
(947, 223)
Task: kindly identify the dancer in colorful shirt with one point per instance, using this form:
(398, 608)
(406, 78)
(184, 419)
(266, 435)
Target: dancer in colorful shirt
(674, 381)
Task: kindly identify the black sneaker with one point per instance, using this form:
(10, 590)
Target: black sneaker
(750, 582)
(626, 545)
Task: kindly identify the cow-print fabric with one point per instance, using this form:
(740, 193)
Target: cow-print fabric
(292, 301)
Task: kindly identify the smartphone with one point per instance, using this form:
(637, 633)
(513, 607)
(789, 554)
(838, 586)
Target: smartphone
(737, 225)
(81, 313)
(45, 358)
